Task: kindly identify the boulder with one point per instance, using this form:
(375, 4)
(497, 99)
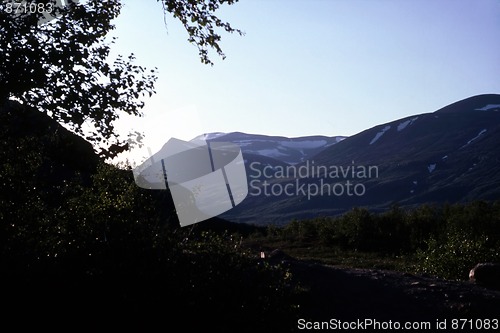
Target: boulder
(486, 274)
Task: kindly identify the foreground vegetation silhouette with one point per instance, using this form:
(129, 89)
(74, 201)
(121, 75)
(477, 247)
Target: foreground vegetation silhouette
(80, 242)
(78, 233)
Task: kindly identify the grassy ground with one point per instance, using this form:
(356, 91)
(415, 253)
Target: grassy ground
(344, 258)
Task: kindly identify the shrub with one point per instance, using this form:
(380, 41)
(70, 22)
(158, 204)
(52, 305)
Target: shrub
(454, 257)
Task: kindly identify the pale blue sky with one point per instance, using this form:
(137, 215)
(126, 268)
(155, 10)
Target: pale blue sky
(312, 67)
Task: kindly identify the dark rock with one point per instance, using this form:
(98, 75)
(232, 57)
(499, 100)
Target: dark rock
(279, 256)
(486, 274)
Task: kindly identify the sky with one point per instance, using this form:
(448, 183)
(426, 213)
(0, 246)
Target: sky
(310, 67)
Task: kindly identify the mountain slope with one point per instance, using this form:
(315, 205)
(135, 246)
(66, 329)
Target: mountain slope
(283, 149)
(450, 155)
(32, 140)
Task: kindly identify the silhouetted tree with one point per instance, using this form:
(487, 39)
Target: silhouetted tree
(201, 23)
(62, 67)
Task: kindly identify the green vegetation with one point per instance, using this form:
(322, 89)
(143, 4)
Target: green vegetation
(80, 242)
(85, 237)
(445, 241)
(80, 233)
(78, 239)
(64, 68)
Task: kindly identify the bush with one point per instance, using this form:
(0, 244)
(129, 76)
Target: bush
(456, 256)
(107, 246)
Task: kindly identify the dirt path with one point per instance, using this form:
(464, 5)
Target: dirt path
(352, 294)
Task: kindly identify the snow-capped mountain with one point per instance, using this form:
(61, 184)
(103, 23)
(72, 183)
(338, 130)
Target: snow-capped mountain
(286, 150)
(450, 155)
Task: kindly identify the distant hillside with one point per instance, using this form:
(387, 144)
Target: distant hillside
(33, 141)
(450, 155)
(283, 149)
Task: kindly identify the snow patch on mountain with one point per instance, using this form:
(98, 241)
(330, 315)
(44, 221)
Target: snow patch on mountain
(489, 107)
(337, 140)
(472, 167)
(208, 136)
(474, 138)
(243, 143)
(431, 167)
(287, 150)
(308, 144)
(274, 152)
(379, 134)
(405, 123)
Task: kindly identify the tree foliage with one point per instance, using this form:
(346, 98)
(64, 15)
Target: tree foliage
(446, 241)
(63, 67)
(80, 233)
(199, 19)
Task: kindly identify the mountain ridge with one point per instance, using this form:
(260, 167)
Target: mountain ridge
(449, 155)
(282, 149)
